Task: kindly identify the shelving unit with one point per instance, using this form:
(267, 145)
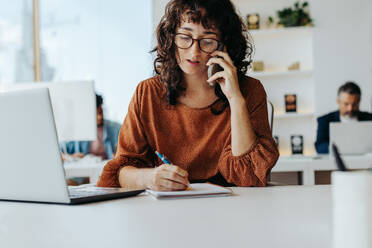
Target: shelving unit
(271, 31)
(262, 74)
(279, 48)
(293, 115)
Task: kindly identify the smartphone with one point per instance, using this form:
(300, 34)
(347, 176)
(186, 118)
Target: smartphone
(213, 68)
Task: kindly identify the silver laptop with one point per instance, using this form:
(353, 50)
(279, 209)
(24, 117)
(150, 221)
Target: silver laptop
(31, 168)
(353, 138)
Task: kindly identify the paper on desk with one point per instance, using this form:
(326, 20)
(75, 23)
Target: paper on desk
(196, 190)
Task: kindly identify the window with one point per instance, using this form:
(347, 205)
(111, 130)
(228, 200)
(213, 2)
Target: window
(16, 41)
(104, 41)
(107, 41)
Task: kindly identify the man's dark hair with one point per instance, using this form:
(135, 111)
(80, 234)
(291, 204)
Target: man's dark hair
(350, 88)
(99, 100)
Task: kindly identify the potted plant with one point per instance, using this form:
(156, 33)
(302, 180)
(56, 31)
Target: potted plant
(292, 17)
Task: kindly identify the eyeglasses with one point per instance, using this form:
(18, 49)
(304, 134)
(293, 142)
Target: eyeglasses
(207, 45)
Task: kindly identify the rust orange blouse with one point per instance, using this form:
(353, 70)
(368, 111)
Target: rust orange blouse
(194, 139)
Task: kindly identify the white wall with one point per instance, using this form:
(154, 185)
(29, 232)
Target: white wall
(158, 7)
(342, 49)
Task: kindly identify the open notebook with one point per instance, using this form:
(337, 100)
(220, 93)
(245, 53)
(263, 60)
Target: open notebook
(196, 190)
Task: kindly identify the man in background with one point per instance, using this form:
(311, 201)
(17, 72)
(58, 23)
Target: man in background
(104, 147)
(348, 99)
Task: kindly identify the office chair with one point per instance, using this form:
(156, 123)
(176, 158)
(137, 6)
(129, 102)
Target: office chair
(270, 113)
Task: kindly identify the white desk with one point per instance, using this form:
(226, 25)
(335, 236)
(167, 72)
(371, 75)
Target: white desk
(85, 168)
(292, 216)
(309, 165)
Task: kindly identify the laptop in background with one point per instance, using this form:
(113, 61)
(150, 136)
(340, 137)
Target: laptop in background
(31, 167)
(353, 138)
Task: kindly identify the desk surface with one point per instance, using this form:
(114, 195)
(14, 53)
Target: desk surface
(290, 216)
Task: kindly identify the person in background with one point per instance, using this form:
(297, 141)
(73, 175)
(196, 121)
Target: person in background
(212, 128)
(105, 145)
(107, 138)
(348, 99)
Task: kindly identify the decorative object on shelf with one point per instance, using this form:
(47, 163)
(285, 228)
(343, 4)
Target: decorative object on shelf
(258, 65)
(270, 22)
(276, 138)
(294, 66)
(294, 17)
(253, 21)
(290, 103)
(297, 144)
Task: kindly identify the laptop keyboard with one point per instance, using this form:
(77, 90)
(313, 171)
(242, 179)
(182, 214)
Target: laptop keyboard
(80, 192)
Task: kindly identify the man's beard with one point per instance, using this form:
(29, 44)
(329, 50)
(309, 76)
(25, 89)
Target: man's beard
(351, 114)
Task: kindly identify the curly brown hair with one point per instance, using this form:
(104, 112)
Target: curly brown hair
(219, 14)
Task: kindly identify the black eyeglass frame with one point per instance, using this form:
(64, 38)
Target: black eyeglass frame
(198, 40)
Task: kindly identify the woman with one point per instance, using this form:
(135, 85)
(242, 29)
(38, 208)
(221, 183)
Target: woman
(218, 134)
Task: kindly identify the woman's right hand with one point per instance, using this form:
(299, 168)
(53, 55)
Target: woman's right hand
(168, 177)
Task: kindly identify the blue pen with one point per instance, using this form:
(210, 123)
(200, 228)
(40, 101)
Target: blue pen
(162, 157)
(166, 161)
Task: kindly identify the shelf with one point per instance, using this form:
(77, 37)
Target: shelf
(280, 73)
(299, 157)
(271, 31)
(292, 115)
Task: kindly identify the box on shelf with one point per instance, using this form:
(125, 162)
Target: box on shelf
(290, 103)
(258, 66)
(294, 66)
(297, 144)
(253, 21)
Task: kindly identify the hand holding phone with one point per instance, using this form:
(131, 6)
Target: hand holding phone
(213, 68)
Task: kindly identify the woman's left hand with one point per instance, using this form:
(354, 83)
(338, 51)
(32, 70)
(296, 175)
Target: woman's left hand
(228, 78)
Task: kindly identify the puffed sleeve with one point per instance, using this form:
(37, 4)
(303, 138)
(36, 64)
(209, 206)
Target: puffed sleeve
(132, 149)
(252, 167)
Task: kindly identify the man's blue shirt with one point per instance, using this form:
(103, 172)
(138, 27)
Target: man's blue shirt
(110, 140)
